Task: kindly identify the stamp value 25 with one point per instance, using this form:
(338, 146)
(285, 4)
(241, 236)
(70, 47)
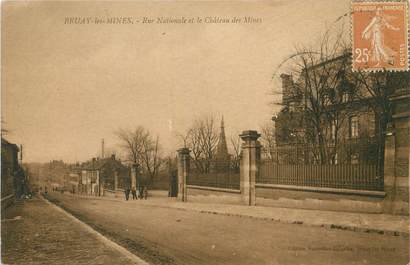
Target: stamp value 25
(380, 36)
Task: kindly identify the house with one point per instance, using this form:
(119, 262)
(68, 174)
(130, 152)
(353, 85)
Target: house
(102, 174)
(13, 179)
(327, 119)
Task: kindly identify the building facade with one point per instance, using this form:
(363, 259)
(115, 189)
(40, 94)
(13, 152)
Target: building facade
(102, 174)
(325, 123)
(13, 179)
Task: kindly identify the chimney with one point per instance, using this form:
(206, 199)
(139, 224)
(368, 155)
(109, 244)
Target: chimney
(287, 87)
(102, 148)
(21, 153)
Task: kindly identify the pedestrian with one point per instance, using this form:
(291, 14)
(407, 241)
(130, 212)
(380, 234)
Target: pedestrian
(127, 193)
(145, 192)
(134, 193)
(140, 191)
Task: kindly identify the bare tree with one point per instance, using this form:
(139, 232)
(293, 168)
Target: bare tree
(202, 139)
(377, 89)
(268, 139)
(319, 94)
(142, 149)
(236, 144)
(150, 155)
(131, 143)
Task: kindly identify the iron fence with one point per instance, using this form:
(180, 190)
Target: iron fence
(221, 174)
(350, 164)
(343, 176)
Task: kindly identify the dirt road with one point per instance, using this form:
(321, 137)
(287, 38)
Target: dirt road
(169, 236)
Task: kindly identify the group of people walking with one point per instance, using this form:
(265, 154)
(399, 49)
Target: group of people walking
(141, 193)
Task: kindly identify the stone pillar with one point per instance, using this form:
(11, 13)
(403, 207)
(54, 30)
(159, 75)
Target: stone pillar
(115, 180)
(250, 163)
(183, 172)
(134, 172)
(397, 156)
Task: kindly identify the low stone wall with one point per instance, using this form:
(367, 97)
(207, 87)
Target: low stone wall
(213, 195)
(7, 201)
(397, 196)
(319, 200)
(109, 193)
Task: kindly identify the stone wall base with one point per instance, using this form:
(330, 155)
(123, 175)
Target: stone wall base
(330, 202)
(318, 201)
(213, 196)
(397, 200)
(7, 201)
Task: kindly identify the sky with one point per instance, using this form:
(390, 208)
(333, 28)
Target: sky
(66, 86)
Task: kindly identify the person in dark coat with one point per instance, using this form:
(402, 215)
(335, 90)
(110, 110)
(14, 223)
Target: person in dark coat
(134, 193)
(145, 188)
(140, 190)
(127, 193)
(173, 185)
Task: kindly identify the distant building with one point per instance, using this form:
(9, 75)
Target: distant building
(13, 182)
(98, 175)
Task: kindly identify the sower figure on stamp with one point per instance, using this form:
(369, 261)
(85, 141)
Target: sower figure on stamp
(380, 52)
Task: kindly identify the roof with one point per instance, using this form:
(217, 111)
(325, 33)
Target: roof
(100, 163)
(7, 143)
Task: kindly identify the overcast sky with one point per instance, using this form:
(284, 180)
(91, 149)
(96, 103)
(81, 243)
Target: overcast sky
(67, 86)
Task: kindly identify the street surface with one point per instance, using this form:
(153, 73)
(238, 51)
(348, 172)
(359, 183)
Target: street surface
(34, 232)
(162, 235)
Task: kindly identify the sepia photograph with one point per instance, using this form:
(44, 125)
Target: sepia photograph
(179, 132)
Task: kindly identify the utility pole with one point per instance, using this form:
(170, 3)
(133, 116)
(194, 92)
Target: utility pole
(21, 154)
(102, 148)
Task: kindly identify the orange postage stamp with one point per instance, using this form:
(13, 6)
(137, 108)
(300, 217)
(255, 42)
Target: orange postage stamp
(380, 36)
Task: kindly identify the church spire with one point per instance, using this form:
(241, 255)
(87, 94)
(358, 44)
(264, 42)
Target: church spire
(222, 148)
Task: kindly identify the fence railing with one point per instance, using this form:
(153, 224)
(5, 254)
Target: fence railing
(353, 151)
(227, 180)
(218, 173)
(344, 176)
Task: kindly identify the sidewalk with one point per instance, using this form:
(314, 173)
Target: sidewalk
(36, 232)
(371, 223)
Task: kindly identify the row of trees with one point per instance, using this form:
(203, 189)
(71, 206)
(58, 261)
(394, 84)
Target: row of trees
(141, 147)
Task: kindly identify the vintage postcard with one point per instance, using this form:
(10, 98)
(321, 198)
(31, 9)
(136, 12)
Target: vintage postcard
(205, 132)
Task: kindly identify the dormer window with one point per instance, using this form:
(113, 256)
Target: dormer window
(292, 106)
(354, 127)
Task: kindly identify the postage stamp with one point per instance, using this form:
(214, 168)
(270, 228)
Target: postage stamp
(380, 36)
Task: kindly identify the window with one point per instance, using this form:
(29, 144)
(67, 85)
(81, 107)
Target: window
(345, 97)
(354, 127)
(327, 100)
(292, 106)
(335, 159)
(333, 130)
(372, 125)
(354, 159)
